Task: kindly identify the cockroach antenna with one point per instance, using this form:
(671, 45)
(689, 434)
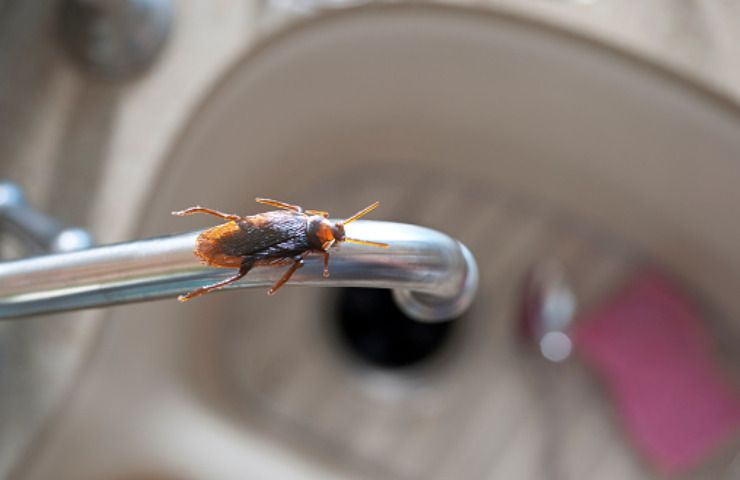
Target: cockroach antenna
(360, 214)
(354, 217)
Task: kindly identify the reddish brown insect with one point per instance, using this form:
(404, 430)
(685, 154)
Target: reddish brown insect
(284, 236)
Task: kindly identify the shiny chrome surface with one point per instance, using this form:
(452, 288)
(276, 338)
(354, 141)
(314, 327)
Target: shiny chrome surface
(39, 358)
(435, 276)
(549, 307)
(39, 232)
(115, 38)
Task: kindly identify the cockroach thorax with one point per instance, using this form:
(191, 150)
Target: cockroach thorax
(323, 232)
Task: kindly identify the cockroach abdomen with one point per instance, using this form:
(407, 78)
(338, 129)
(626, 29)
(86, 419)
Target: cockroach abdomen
(210, 246)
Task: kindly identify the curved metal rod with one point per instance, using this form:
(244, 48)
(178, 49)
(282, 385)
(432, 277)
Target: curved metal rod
(434, 277)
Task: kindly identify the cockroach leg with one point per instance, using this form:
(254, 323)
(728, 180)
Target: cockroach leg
(243, 270)
(326, 264)
(320, 213)
(298, 263)
(278, 204)
(209, 211)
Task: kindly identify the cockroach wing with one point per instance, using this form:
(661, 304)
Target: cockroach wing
(260, 232)
(263, 236)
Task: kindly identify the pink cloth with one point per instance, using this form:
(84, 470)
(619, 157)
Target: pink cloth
(651, 348)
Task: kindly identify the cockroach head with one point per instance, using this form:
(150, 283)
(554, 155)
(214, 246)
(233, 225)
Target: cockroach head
(338, 231)
(323, 233)
(338, 228)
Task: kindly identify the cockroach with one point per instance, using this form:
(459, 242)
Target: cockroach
(284, 236)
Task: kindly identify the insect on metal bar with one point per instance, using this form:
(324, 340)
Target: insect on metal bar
(280, 237)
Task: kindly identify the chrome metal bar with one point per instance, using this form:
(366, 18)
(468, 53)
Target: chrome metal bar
(434, 277)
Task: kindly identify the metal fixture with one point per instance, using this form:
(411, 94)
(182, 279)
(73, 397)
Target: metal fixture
(40, 358)
(40, 234)
(115, 38)
(434, 277)
(548, 309)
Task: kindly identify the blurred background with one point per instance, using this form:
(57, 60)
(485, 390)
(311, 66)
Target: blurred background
(588, 153)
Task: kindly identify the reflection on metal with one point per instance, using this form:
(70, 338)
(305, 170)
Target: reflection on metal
(115, 38)
(549, 307)
(40, 234)
(434, 276)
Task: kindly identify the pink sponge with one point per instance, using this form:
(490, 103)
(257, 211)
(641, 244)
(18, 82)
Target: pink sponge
(651, 348)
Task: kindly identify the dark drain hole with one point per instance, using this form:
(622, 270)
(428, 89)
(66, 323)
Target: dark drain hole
(370, 326)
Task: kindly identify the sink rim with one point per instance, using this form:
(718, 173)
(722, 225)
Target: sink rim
(713, 95)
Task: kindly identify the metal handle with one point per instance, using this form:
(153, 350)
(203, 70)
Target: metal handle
(40, 233)
(434, 276)
(115, 39)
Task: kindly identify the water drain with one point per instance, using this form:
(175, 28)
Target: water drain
(372, 328)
